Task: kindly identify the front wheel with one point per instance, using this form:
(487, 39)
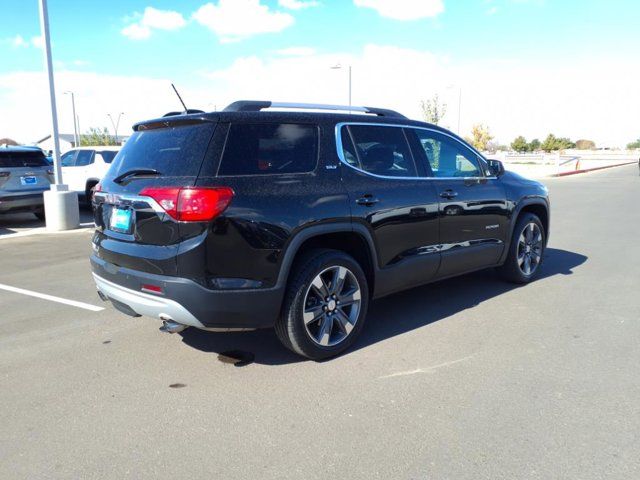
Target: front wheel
(325, 305)
(526, 250)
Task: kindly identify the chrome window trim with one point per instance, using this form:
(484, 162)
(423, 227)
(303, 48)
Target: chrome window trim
(340, 151)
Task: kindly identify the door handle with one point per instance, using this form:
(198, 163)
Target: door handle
(367, 200)
(449, 194)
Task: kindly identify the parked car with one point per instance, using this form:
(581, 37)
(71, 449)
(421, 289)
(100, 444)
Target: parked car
(83, 167)
(24, 175)
(247, 218)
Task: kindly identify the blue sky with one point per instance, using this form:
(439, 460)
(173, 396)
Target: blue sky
(465, 39)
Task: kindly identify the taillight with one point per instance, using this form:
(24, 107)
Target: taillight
(197, 204)
(98, 187)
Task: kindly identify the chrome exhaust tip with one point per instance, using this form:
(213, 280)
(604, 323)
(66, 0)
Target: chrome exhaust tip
(169, 326)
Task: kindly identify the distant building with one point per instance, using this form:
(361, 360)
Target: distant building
(67, 142)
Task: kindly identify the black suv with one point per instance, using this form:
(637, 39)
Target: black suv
(246, 219)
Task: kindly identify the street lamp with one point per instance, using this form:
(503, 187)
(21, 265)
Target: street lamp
(76, 137)
(60, 205)
(115, 124)
(340, 67)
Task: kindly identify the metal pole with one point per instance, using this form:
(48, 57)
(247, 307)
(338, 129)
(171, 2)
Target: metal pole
(44, 25)
(75, 126)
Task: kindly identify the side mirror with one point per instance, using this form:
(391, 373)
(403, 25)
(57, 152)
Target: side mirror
(495, 167)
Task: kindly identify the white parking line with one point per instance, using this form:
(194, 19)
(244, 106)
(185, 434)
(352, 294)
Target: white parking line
(51, 298)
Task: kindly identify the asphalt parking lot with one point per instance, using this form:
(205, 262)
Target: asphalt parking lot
(470, 378)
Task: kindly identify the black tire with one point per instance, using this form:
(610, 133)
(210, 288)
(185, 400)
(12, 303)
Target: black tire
(40, 215)
(90, 192)
(513, 270)
(291, 328)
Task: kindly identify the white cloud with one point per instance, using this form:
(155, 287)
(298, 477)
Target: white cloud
(234, 20)
(37, 41)
(404, 9)
(298, 4)
(19, 41)
(153, 19)
(296, 51)
(512, 97)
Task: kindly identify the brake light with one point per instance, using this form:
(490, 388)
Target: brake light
(197, 204)
(98, 187)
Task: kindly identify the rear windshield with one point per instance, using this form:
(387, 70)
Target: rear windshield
(23, 159)
(262, 149)
(174, 151)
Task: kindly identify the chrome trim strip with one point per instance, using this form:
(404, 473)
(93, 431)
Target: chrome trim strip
(340, 151)
(127, 199)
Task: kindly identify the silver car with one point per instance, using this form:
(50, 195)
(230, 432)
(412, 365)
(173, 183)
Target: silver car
(24, 175)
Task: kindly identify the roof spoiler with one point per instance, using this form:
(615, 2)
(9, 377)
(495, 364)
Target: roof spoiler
(258, 105)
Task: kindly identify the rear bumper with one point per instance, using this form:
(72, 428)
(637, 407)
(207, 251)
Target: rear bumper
(185, 301)
(29, 201)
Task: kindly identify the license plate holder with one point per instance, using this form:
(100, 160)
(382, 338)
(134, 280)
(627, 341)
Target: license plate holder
(121, 220)
(28, 180)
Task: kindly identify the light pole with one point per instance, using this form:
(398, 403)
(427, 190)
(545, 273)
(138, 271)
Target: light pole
(60, 205)
(115, 124)
(76, 138)
(340, 67)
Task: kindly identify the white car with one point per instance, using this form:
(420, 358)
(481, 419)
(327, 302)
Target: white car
(84, 167)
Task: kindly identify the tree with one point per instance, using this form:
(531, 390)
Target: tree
(8, 141)
(520, 144)
(480, 137)
(97, 137)
(585, 144)
(534, 145)
(552, 143)
(634, 145)
(433, 110)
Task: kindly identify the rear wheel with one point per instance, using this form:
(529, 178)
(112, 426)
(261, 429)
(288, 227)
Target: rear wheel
(40, 214)
(325, 305)
(526, 250)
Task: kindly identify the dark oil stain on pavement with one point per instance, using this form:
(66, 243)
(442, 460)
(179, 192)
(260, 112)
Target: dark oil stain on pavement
(177, 385)
(106, 342)
(237, 358)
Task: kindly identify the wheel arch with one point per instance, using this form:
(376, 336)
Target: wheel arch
(354, 240)
(539, 207)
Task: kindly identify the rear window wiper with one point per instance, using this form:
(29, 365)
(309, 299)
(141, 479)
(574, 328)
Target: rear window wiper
(137, 172)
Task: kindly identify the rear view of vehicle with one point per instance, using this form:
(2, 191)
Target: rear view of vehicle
(24, 175)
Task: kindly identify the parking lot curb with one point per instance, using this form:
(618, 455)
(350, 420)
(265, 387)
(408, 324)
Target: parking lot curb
(586, 170)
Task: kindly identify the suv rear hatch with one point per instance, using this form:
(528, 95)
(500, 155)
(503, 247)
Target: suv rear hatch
(136, 227)
(23, 172)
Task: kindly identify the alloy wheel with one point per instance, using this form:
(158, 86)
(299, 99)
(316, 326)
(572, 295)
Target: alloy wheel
(331, 306)
(530, 248)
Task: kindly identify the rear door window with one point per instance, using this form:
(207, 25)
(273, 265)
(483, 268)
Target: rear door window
(15, 159)
(380, 150)
(270, 148)
(175, 151)
(107, 155)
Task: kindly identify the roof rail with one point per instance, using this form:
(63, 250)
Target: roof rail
(258, 105)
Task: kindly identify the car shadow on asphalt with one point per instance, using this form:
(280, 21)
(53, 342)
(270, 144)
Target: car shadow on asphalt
(407, 310)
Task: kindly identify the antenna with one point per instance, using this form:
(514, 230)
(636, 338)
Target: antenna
(186, 110)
